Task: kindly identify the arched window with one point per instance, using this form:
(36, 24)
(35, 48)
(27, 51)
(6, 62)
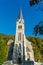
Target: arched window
(19, 36)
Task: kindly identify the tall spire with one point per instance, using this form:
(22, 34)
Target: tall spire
(20, 14)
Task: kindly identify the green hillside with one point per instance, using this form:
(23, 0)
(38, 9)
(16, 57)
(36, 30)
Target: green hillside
(37, 44)
(4, 48)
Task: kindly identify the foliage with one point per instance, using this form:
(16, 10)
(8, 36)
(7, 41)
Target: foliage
(37, 44)
(4, 48)
(38, 29)
(39, 3)
(33, 2)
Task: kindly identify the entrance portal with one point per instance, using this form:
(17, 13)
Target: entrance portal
(19, 60)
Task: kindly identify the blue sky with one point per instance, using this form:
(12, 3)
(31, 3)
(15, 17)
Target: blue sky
(9, 11)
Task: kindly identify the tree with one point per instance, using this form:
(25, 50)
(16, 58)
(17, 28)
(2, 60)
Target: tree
(33, 2)
(38, 2)
(38, 29)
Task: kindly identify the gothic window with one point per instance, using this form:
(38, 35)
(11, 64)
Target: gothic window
(19, 49)
(19, 46)
(19, 26)
(23, 37)
(27, 49)
(19, 36)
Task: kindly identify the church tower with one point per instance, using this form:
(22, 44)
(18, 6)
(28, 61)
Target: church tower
(19, 29)
(22, 47)
(19, 52)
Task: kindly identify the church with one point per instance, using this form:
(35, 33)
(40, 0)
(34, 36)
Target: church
(22, 50)
(22, 47)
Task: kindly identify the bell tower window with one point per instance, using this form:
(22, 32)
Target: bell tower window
(20, 27)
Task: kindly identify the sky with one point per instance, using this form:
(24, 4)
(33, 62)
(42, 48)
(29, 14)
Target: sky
(9, 11)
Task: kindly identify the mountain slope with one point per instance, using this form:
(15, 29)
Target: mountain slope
(37, 44)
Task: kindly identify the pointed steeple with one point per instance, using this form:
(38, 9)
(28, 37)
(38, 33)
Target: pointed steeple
(20, 14)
